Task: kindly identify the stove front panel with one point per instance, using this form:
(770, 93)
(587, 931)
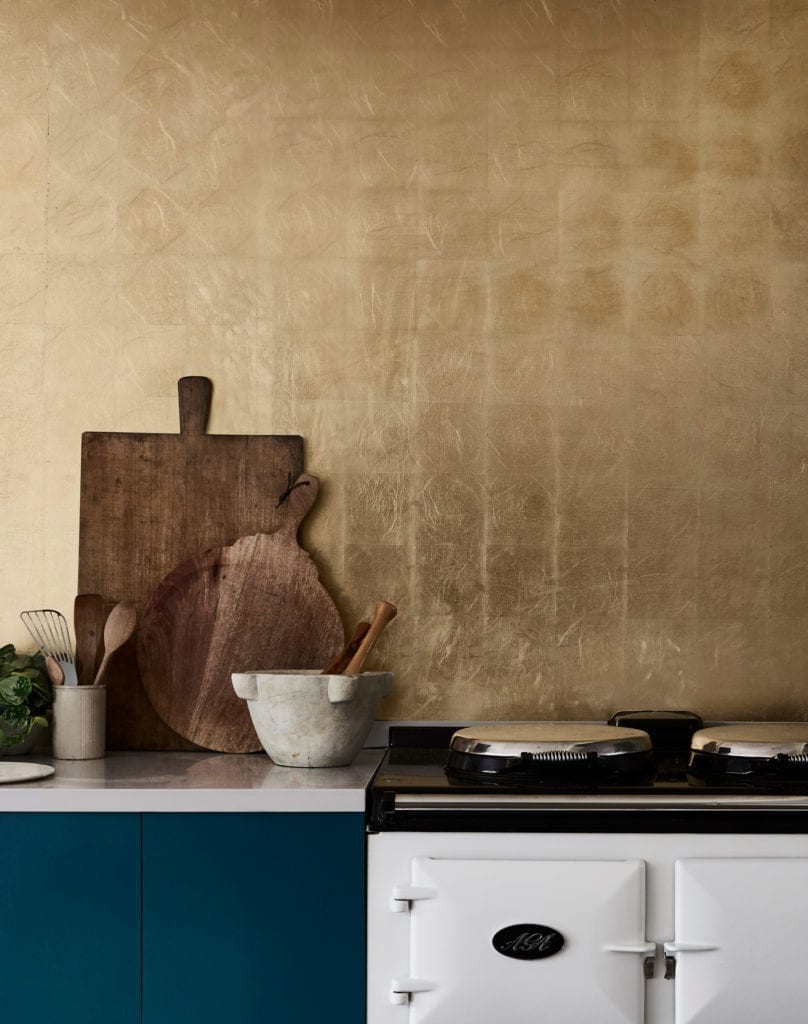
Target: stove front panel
(572, 883)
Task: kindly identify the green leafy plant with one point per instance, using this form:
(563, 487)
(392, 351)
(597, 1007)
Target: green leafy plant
(25, 692)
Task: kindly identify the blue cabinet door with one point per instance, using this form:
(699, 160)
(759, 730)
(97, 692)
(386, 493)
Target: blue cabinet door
(70, 918)
(252, 918)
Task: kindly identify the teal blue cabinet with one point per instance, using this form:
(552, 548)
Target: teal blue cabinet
(70, 918)
(253, 918)
(173, 918)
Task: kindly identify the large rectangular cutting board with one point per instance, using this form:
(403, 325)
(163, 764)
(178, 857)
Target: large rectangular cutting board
(149, 502)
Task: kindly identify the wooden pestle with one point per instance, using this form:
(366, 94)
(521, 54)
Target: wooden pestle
(385, 612)
(343, 659)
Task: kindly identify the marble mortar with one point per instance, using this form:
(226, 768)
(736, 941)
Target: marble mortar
(308, 720)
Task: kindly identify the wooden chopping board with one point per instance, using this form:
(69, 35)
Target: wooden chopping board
(150, 502)
(257, 604)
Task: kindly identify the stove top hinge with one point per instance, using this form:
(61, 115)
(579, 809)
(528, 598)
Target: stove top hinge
(403, 896)
(402, 989)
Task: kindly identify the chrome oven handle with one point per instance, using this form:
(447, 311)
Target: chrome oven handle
(427, 802)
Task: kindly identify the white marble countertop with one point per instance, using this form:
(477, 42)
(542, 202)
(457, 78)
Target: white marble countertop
(140, 782)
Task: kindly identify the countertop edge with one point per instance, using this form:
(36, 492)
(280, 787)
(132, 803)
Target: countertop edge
(27, 798)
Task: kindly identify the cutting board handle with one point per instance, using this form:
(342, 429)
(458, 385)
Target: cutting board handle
(194, 396)
(298, 501)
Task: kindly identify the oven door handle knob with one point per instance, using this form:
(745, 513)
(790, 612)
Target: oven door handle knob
(403, 895)
(688, 947)
(401, 989)
(643, 948)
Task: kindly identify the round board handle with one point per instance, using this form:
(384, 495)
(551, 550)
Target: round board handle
(195, 395)
(297, 501)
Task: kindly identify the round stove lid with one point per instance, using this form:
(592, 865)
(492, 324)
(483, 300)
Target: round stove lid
(752, 739)
(539, 738)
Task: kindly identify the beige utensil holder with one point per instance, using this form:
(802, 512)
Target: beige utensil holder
(79, 722)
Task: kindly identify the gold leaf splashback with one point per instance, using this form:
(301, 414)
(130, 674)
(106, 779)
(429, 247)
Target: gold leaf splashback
(530, 278)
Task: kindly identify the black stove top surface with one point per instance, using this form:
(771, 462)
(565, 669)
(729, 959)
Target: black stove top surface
(417, 760)
(413, 790)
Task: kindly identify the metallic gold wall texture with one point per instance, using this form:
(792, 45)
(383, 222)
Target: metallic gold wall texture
(531, 278)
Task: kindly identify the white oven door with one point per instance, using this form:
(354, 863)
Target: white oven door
(484, 938)
(740, 941)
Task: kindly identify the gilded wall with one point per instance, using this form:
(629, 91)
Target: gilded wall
(531, 278)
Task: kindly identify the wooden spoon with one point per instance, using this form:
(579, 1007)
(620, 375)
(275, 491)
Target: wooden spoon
(56, 673)
(119, 627)
(343, 659)
(88, 622)
(385, 612)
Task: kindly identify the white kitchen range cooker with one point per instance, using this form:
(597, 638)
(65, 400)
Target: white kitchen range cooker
(648, 870)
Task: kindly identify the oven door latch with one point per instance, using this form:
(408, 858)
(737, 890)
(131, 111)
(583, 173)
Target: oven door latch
(647, 950)
(401, 989)
(672, 948)
(404, 895)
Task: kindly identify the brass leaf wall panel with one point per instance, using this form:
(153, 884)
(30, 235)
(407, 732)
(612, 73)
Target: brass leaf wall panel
(530, 278)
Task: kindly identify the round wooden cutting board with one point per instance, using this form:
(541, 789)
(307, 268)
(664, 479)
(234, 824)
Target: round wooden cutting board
(255, 605)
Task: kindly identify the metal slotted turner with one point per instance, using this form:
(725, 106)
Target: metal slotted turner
(50, 631)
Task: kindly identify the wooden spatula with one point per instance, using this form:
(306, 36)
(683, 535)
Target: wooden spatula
(56, 673)
(118, 628)
(88, 624)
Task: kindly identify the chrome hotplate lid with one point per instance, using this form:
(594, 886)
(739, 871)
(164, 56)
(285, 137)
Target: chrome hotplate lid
(753, 740)
(543, 739)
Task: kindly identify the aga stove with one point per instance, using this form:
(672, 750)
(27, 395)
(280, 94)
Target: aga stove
(648, 870)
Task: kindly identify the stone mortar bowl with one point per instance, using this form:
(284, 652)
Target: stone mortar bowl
(308, 720)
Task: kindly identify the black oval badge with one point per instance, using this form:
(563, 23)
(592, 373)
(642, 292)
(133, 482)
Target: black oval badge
(528, 941)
